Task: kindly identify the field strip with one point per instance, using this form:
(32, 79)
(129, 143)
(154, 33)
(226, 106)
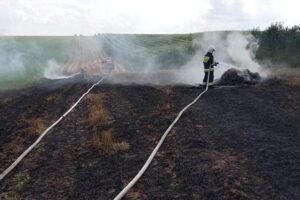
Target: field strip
(152, 155)
(27, 151)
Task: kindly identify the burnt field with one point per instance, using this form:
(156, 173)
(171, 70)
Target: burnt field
(238, 142)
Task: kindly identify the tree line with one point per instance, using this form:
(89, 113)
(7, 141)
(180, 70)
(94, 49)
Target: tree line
(279, 44)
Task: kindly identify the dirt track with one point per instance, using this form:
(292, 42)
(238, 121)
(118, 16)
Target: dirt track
(235, 143)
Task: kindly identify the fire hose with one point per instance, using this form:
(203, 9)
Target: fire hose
(152, 155)
(26, 152)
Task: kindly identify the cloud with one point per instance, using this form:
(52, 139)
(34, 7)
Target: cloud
(56, 17)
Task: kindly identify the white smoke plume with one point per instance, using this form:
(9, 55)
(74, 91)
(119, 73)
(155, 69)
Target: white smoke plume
(53, 70)
(233, 50)
(24, 60)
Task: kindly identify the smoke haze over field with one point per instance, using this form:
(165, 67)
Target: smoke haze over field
(233, 49)
(24, 59)
(11, 60)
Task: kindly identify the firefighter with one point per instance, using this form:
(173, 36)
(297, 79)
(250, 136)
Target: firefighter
(83, 73)
(109, 64)
(209, 64)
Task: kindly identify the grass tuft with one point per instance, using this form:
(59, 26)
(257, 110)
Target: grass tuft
(106, 142)
(294, 81)
(20, 180)
(97, 115)
(133, 195)
(53, 97)
(36, 125)
(122, 146)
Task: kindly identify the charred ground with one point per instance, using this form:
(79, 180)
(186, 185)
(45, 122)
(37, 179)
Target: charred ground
(238, 142)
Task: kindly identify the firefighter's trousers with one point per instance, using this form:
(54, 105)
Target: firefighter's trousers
(210, 78)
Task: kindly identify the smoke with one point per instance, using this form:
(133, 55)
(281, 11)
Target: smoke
(11, 59)
(24, 60)
(130, 51)
(233, 50)
(53, 70)
(151, 59)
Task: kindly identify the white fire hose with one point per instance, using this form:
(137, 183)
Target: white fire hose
(21, 157)
(150, 158)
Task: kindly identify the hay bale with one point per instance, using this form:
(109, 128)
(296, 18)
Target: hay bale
(237, 77)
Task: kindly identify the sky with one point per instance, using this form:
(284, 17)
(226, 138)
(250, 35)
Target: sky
(88, 17)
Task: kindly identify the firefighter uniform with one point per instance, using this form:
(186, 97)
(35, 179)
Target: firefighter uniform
(109, 64)
(209, 64)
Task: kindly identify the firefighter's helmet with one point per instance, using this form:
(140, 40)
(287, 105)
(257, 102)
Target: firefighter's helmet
(211, 50)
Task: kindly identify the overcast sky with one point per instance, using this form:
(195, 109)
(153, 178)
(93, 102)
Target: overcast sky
(69, 17)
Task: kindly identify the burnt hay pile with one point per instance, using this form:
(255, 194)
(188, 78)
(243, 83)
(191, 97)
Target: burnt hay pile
(237, 77)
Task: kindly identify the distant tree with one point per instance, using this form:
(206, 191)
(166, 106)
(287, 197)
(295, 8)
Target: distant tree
(279, 44)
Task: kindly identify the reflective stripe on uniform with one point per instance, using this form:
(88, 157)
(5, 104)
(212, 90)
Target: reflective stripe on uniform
(209, 70)
(209, 84)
